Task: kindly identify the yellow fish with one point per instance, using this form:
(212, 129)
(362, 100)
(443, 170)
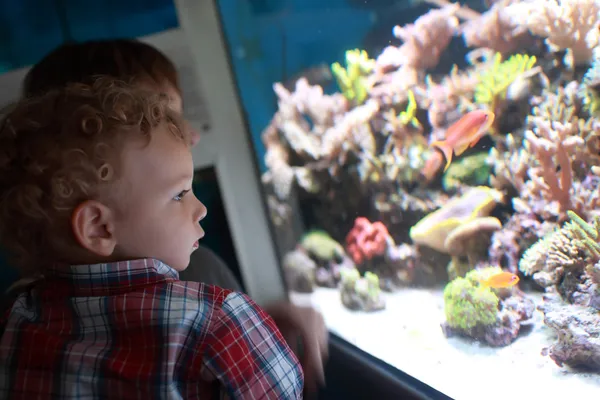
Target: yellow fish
(500, 280)
(464, 133)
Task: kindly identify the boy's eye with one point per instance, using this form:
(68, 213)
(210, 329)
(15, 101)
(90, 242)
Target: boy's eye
(180, 195)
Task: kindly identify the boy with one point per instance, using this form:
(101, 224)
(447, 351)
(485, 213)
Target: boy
(95, 189)
(144, 65)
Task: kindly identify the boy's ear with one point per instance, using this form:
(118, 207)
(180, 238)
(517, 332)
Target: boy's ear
(93, 226)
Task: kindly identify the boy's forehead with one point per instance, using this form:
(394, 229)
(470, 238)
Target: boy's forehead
(164, 159)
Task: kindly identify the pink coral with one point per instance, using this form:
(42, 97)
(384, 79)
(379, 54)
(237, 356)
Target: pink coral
(366, 240)
(423, 41)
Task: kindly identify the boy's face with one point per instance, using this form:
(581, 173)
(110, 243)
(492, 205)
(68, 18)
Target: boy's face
(157, 214)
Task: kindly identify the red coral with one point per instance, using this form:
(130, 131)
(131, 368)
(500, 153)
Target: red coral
(366, 240)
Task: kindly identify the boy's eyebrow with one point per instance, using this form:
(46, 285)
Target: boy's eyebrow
(185, 177)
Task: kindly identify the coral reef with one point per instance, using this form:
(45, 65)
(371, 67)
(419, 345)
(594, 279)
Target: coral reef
(469, 171)
(461, 228)
(566, 263)
(358, 171)
(567, 260)
(490, 315)
(367, 240)
(570, 25)
(359, 293)
(496, 79)
(495, 29)
(423, 42)
(316, 261)
(353, 79)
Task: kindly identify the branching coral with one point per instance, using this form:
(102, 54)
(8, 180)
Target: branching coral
(570, 25)
(494, 29)
(314, 127)
(408, 116)
(566, 262)
(511, 160)
(404, 128)
(495, 80)
(567, 259)
(559, 147)
(549, 174)
(423, 42)
(509, 167)
(302, 119)
(522, 167)
(453, 95)
(353, 79)
(553, 143)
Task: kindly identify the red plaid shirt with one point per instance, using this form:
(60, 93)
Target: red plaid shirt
(132, 330)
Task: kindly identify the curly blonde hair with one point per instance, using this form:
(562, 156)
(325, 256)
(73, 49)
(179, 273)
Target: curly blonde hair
(62, 148)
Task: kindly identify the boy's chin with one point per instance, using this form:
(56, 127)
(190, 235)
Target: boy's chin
(180, 265)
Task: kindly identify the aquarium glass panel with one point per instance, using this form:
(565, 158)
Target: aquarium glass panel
(431, 174)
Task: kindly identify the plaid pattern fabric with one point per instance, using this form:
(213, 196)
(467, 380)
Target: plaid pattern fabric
(132, 330)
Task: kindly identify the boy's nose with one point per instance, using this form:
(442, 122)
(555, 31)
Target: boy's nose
(195, 137)
(201, 213)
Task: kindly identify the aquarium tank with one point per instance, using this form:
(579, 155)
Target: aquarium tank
(432, 172)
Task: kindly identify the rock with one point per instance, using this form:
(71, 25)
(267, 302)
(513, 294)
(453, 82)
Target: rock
(493, 317)
(578, 331)
(299, 271)
(361, 294)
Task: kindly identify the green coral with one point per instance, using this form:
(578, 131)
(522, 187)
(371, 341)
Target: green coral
(360, 293)
(352, 79)
(349, 277)
(470, 170)
(372, 285)
(467, 304)
(322, 246)
(494, 81)
(534, 258)
(586, 235)
(408, 117)
(368, 286)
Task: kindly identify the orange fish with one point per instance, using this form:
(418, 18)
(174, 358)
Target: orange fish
(501, 280)
(464, 133)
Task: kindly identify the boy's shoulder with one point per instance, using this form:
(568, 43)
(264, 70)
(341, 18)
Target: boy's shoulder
(229, 306)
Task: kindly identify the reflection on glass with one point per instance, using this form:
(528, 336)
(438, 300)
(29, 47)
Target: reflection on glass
(439, 204)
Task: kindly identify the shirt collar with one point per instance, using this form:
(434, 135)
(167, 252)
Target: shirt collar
(108, 278)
